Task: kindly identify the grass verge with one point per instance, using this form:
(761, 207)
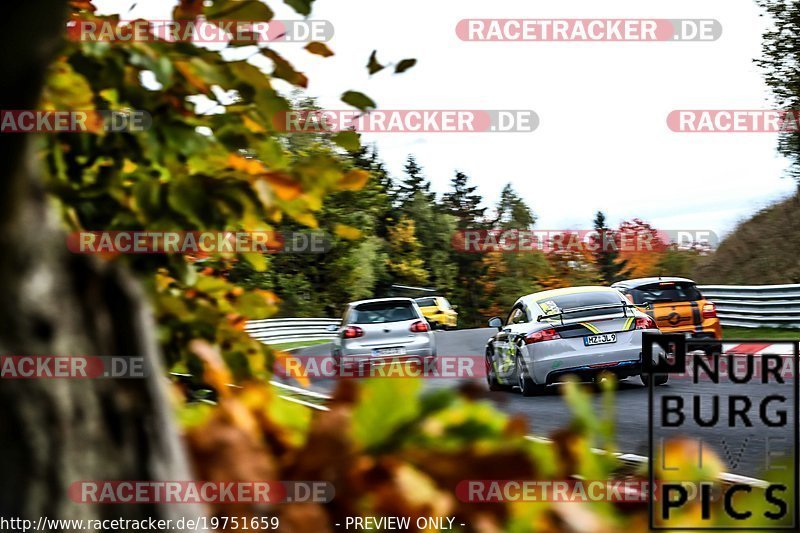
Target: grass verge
(760, 333)
(299, 344)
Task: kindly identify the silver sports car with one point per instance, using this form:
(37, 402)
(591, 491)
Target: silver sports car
(581, 331)
(381, 330)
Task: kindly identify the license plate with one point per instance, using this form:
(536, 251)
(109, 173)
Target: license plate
(605, 338)
(389, 351)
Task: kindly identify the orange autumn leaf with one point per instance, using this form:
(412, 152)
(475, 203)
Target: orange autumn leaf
(354, 180)
(320, 49)
(186, 70)
(284, 186)
(288, 366)
(85, 5)
(215, 371)
(251, 167)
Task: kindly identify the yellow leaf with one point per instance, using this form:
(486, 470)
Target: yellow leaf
(313, 201)
(353, 180)
(129, 166)
(252, 125)
(347, 232)
(307, 219)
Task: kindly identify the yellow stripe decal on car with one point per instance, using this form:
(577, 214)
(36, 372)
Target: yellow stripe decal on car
(590, 327)
(628, 324)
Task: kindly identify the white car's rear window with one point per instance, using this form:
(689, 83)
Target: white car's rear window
(383, 312)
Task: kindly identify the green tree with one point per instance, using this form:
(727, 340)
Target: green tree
(512, 212)
(463, 203)
(781, 55)
(413, 184)
(606, 256)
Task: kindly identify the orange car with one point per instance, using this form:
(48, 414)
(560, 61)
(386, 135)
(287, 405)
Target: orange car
(677, 305)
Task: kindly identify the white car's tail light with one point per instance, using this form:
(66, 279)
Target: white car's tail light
(352, 332)
(420, 327)
(548, 334)
(645, 322)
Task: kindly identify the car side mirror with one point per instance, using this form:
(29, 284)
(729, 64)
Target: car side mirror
(332, 328)
(495, 322)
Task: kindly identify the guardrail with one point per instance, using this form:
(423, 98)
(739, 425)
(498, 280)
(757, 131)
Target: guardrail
(751, 306)
(280, 330)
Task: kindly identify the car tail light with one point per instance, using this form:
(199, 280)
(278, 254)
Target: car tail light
(420, 327)
(645, 322)
(709, 311)
(548, 334)
(351, 332)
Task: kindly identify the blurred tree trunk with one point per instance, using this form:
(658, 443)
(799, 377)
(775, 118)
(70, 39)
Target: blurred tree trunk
(55, 432)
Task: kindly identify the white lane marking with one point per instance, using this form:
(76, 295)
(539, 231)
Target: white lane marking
(307, 404)
(300, 390)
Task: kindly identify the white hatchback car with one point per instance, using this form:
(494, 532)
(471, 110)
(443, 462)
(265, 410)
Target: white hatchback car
(381, 330)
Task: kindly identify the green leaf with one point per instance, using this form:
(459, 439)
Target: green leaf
(271, 153)
(358, 100)
(301, 6)
(383, 406)
(239, 10)
(187, 197)
(404, 65)
(373, 66)
(349, 140)
(249, 74)
(269, 103)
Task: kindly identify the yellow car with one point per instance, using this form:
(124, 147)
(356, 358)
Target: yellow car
(438, 312)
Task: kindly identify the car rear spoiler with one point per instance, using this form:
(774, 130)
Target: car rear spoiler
(563, 312)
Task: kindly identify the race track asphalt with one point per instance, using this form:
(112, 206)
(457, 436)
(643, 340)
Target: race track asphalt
(743, 449)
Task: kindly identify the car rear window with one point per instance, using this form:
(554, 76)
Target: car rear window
(665, 292)
(383, 312)
(426, 302)
(583, 299)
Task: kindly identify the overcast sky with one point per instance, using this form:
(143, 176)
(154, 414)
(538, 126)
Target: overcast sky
(602, 142)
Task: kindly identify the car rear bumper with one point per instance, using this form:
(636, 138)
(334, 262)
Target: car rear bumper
(709, 329)
(622, 370)
(564, 358)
